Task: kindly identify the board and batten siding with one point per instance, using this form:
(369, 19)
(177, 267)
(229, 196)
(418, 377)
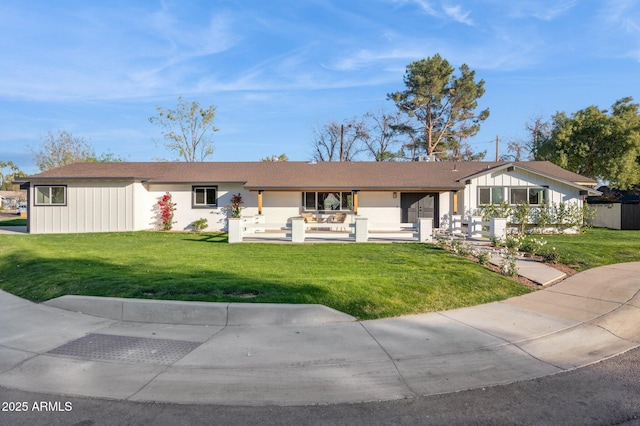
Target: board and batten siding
(557, 191)
(90, 207)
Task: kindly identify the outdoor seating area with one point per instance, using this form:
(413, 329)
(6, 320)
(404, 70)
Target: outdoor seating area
(313, 227)
(331, 219)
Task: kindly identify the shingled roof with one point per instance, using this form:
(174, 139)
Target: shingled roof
(408, 176)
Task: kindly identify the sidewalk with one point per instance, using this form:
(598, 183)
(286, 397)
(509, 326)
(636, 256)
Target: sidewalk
(252, 354)
(13, 229)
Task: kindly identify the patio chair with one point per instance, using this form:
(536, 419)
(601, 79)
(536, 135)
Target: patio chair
(338, 218)
(308, 217)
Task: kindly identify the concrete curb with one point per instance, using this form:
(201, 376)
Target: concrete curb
(199, 313)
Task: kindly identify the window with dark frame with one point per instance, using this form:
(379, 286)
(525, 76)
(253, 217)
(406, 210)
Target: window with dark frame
(51, 195)
(205, 196)
(518, 196)
(327, 200)
(537, 196)
(496, 195)
(491, 195)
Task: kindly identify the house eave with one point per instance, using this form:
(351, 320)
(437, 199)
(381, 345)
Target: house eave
(583, 186)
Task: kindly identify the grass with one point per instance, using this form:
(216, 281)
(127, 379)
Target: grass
(19, 221)
(596, 247)
(364, 280)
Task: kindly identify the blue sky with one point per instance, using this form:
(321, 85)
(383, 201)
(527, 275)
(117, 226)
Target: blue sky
(277, 69)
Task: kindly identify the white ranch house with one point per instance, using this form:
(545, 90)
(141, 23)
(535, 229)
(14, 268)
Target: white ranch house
(122, 196)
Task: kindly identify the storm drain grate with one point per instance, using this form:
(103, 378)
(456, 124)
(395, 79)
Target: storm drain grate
(125, 348)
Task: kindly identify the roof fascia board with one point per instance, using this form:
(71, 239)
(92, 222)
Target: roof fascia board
(77, 179)
(354, 187)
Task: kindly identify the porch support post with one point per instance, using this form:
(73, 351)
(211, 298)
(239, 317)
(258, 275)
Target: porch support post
(355, 201)
(297, 230)
(235, 230)
(260, 201)
(498, 228)
(425, 229)
(455, 202)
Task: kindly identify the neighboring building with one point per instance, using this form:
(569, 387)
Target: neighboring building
(616, 209)
(122, 196)
(9, 200)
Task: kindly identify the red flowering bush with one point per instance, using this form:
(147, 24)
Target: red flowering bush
(234, 208)
(166, 207)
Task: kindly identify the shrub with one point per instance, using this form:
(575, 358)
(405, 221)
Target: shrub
(508, 265)
(200, 224)
(483, 257)
(532, 245)
(550, 255)
(521, 216)
(495, 210)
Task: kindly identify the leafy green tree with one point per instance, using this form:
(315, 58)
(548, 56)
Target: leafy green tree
(440, 106)
(187, 129)
(275, 158)
(597, 143)
(61, 148)
(7, 177)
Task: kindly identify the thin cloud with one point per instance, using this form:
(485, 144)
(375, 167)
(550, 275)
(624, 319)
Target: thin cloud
(424, 5)
(97, 53)
(619, 29)
(545, 10)
(457, 14)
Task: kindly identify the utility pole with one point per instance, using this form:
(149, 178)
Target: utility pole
(497, 148)
(341, 139)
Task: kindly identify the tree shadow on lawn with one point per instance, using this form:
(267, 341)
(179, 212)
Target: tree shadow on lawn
(203, 237)
(39, 278)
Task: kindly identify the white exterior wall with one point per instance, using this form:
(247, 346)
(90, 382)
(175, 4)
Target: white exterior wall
(185, 213)
(143, 207)
(91, 207)
(557, 191)
(445, 206)
(280, 206)
(379, 207)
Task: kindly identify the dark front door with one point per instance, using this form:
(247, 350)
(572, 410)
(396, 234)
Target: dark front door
(415, 205)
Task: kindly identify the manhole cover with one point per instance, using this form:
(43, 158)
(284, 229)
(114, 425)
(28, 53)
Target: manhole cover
(125, 348)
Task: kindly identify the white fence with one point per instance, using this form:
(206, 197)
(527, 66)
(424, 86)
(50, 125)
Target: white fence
(495, 228)
(256, 229)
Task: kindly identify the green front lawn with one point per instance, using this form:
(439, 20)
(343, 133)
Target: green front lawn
(18, 221)
(364, 280)
(596, 247)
